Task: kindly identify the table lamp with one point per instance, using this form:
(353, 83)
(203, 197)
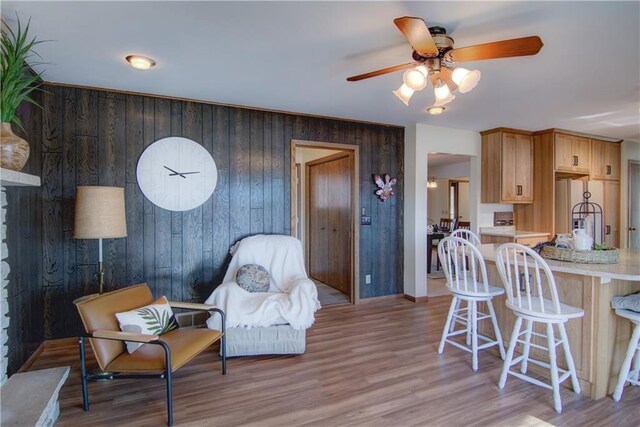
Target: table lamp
(99, 214)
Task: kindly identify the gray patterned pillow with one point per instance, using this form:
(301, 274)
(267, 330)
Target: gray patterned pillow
(253, 278)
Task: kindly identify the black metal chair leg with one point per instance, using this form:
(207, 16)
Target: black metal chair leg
(223, 342)
(83, 375)
(167, 354)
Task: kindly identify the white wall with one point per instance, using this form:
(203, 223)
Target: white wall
(438, 206)
(630, 151)
(419, 142)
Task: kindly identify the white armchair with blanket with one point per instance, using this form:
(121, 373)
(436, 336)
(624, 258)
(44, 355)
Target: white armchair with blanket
(272, 322)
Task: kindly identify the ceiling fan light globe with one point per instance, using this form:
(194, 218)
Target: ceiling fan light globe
(444, 101)
(465, 79)
(404, 94)
(423, 69)
(414, 79)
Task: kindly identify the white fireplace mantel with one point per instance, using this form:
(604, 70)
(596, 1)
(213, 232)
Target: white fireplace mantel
(8, 178)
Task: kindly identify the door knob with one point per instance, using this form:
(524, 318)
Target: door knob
(632, 229)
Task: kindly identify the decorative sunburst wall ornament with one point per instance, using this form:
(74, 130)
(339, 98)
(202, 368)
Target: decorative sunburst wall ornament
(386, 187)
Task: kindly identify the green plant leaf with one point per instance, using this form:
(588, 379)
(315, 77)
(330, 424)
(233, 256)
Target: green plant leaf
(17, 84)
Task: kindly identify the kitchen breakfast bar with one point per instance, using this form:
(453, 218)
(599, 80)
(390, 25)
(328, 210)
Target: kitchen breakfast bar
(598, 340)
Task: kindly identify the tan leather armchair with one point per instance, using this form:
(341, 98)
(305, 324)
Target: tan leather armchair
(158, 357)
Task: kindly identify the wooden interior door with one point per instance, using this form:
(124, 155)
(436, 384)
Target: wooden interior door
(329, 201)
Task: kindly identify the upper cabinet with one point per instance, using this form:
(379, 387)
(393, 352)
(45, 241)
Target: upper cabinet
(572, 153)
(507, 166)
(605, 160)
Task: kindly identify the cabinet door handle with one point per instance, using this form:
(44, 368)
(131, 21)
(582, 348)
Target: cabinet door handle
(608, 230)
(575, 160)
(519, 190)
(608, 169)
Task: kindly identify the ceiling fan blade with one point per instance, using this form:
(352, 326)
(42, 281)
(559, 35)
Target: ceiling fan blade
(415, 30)
(445, 75)
(381, 72)
(502, 49)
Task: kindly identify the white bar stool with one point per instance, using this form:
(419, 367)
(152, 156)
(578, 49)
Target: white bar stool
(626, 373)
(472, 238)
(466, 275)
(533, 300)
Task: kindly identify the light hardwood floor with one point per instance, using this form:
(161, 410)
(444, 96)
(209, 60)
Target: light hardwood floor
(371, 364)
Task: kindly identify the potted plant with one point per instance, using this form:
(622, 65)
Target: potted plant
(18, 83)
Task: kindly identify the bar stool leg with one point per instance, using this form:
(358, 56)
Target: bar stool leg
(512, 346)
(569, 358)
(496, 328)
(553, 362)
(636, 365)
(468, 323)
(474, 334)
(453, 324)
(527, 347)
(626, 364)
(445, 331)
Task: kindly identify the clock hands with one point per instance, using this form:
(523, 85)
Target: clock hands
(174, 172)
(182, 174)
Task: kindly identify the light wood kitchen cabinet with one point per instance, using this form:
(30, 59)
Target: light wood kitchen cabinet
(611, 210)
(572, 153)
(605, 160)
(507, 166)
(553, 160)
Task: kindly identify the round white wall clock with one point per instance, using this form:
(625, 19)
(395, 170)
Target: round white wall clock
(176, 174)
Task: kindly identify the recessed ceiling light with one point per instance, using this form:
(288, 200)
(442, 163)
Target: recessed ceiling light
(140, 62)
(434, 111)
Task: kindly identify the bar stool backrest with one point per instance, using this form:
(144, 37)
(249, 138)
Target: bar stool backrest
(463, 265)
(522, 272)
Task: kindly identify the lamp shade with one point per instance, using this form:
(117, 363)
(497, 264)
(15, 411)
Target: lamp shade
(465, 79)
(99, 213)
(404, 93)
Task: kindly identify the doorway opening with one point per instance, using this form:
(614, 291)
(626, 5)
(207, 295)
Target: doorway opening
(448, 201)
(324, 215)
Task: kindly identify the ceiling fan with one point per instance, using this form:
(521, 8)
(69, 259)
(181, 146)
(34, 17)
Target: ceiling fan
(434, 59)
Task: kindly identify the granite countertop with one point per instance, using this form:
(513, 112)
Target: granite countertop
(627, 269)
(510, 232)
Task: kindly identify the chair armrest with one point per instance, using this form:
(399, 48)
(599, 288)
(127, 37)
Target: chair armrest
(191, 305)
(124, 336)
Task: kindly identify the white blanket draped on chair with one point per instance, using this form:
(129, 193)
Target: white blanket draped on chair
(292, 297)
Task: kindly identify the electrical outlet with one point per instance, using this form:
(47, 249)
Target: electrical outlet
(367, 279)
(365, 220)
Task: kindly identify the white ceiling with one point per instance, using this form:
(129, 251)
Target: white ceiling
(442, 159)
(295, 56)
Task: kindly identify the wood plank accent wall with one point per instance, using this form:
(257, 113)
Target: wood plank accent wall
(93, 137)
(24, 240)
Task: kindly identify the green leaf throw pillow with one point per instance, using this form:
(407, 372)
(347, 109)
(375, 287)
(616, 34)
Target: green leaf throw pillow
(153, 319)
(253, 278)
